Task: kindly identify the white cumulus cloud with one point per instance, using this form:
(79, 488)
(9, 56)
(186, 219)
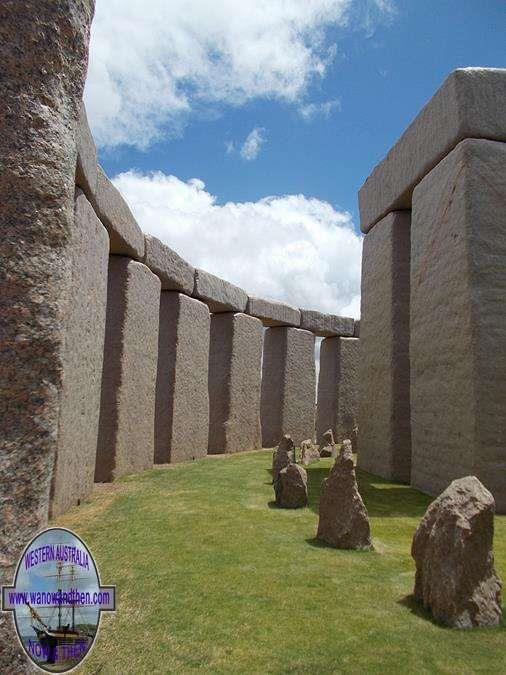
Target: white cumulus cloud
(292, 248)
(251, 146)
(155, 62)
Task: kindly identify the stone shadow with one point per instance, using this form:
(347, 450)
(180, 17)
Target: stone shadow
(417, 609)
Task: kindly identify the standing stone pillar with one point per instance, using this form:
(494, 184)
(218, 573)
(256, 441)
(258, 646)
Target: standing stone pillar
(182, 398)
(384, 436)
(74, 466)
(235, 368)
(43, 52)
(288, 385)
(337, 402)
(127, 415)
(458, 320)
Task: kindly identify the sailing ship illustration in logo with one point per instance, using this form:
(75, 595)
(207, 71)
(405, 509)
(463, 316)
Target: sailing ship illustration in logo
(57, 600)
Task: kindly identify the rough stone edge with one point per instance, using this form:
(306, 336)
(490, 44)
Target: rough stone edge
(86, 165)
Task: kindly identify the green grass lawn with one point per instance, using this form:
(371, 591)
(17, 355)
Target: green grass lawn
(211, 578)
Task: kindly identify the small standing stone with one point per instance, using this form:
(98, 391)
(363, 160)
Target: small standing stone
(291, 487)
(329, 448)
(282, 456)
(309, 452)
(452, 548)
(343, 520)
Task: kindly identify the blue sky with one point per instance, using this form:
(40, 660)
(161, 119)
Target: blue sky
(326, 97)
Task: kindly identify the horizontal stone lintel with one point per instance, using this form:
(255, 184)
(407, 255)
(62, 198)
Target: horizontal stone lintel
(326, 325)
(173, 271)
(218, 294)
(469, 104)
(175, 274)
(126, 237)
(273, 313)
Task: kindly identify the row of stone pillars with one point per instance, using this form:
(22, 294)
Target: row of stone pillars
(433, 320)
(179, 382)
(164, 363)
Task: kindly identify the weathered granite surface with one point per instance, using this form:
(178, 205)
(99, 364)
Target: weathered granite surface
(218, 294)
(458, 321)
(273, 313)
(290, 487)
(338, 389)
(452, 548)
(288, 385)
(174, 273)
(182, 397)
(282, 456)
(86, 165)
(74, 466)
(43, 56)
(125, 234)
(384, 430)
(127, 415)
(309, 452)
(326, 325)
(235, 370)
(469, 104)
(343, 520)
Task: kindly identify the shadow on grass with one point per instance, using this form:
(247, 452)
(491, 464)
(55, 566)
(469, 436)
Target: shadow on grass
(382, 497)
(410, 602)
(318, 543)
(273, 505)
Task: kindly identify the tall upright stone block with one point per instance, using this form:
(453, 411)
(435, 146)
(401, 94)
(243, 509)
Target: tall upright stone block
(127, 415)
(182, 398)
(384, 435)
(337, 402)
(43, 52)
(458, 320)
(235, 369)
(288, 385)
(74, 466)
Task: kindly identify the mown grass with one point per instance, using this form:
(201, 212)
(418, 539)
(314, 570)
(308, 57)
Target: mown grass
(211, 578)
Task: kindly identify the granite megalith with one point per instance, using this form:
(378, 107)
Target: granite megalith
(338, 388)
(282, 456)
(328, 448)
(182, 393)
(309, 452)
(74, 465)
(43, 52)
(452, 548)
(290, 487)
(343, 519)
(457, 345)
(288, 385)
(384, 429)
(235, 368)
(127, 412)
